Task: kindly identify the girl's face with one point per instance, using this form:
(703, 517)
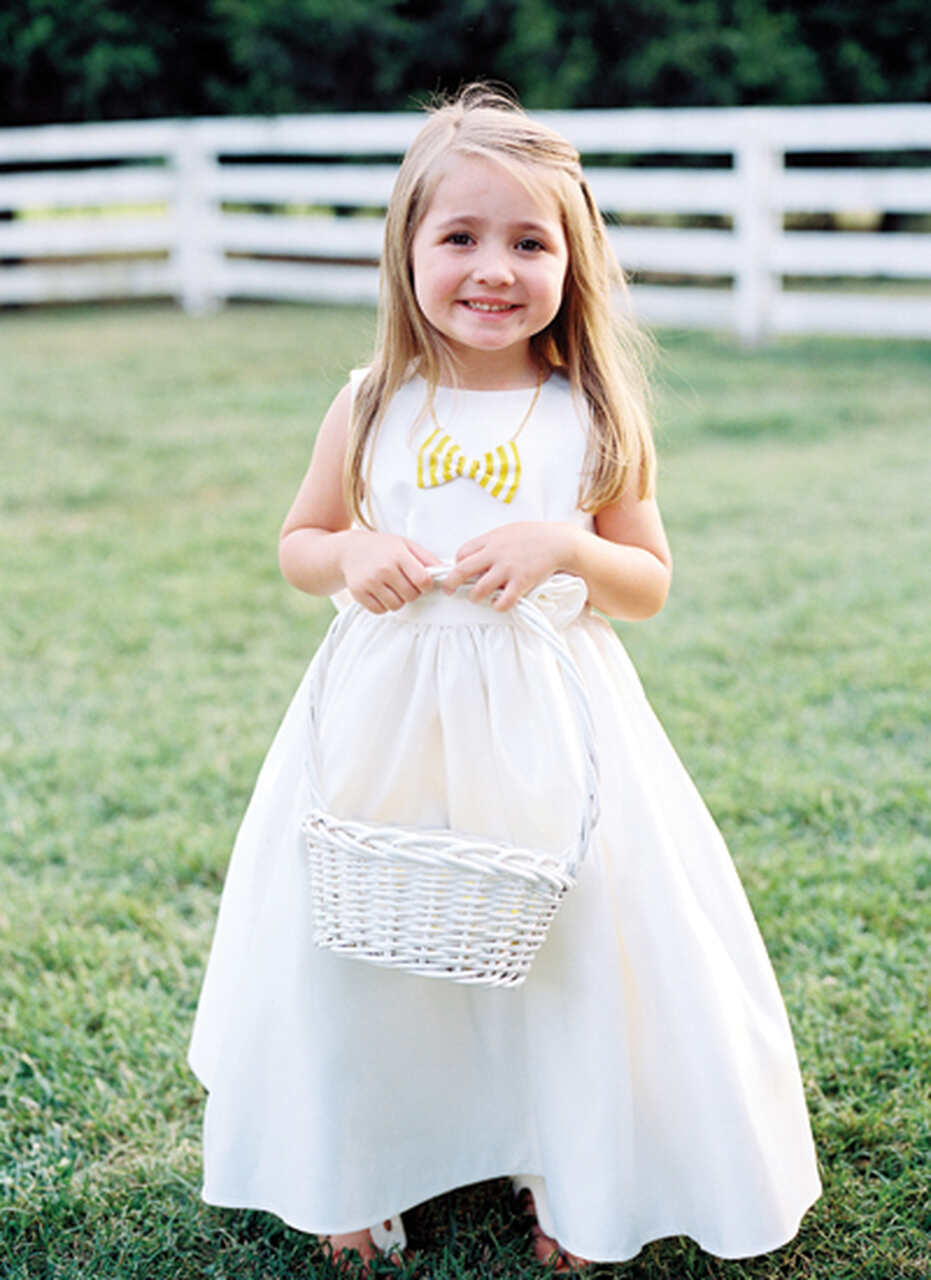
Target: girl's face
(489, 263)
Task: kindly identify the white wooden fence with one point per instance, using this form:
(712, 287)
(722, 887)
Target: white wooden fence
(291, 208)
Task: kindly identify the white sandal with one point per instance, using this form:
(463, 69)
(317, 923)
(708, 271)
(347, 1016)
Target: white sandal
(388, 1239)
(389, 1236)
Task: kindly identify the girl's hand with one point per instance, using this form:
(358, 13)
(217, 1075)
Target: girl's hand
(384, 571)
(512, 559)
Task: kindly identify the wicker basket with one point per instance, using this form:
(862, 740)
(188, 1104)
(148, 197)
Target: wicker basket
(438, 903)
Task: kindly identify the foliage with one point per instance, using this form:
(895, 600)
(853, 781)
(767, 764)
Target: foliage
(291, 53)
(866, 52)
(149, 648)
(96, 59)
(666, 52)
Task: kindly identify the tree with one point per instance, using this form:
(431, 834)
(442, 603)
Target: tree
(104, 59)
(295, 55)
(95, 60)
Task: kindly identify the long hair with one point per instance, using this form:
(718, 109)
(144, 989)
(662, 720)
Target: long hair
(590, 339)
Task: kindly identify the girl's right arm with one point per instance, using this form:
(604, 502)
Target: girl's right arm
(318, 550)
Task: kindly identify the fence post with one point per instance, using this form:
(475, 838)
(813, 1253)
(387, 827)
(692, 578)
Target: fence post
(196, 257)
(757, 223)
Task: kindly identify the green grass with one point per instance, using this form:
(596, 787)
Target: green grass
(149, 648)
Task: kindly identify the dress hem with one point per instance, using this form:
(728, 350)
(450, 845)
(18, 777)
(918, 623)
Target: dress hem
(571, 1246)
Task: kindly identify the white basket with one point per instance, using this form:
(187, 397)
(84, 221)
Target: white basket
(438, 903)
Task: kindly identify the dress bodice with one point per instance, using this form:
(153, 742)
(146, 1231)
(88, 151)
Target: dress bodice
(442, 517)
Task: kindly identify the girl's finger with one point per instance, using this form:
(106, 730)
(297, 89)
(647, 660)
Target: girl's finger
(382, 595)
(508, 597)
(415, 573)
(391, 597)
(453, 581)
(487, 583)
(469, 548)
(421, 553)
(477, 563)
(405, 589)
(395, 583)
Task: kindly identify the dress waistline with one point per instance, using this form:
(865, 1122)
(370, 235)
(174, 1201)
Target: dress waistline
(561, 599)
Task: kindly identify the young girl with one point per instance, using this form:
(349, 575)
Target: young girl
(642, 1082)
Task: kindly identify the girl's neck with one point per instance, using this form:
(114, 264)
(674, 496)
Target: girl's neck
(489, 374)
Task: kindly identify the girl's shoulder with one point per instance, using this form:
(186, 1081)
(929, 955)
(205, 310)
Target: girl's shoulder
(558, 385)
(357, 377)
(566, 401)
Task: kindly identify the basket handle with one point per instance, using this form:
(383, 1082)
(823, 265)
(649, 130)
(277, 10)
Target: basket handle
(532, 619)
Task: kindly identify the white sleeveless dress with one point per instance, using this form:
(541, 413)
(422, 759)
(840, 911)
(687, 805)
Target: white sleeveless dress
(645, 1068)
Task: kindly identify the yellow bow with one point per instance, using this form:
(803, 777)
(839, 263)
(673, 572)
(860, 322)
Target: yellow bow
(440, 459)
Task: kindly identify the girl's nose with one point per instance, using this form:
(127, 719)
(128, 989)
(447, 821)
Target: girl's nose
(493, 268)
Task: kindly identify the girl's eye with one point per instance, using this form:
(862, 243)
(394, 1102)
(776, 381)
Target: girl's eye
(459, 237)
(529, 245)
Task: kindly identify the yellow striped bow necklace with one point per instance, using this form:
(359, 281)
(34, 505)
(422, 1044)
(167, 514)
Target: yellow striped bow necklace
(440, 459)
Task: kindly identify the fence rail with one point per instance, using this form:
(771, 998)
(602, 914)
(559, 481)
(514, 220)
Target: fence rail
(762, 220)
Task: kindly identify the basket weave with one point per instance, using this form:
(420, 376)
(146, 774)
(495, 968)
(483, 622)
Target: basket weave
(439, 903)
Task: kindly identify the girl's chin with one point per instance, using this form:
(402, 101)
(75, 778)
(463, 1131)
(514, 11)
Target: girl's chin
(515, 349)
(490, 325)
(498, 335)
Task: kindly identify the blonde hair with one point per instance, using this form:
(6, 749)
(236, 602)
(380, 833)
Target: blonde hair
(596, 346)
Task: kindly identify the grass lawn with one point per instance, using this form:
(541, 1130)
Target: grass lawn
(149, 648)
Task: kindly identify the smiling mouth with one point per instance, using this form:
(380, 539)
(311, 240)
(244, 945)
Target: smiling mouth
(489, 307)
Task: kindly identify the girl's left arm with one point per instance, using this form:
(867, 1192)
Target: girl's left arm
(625, 562)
